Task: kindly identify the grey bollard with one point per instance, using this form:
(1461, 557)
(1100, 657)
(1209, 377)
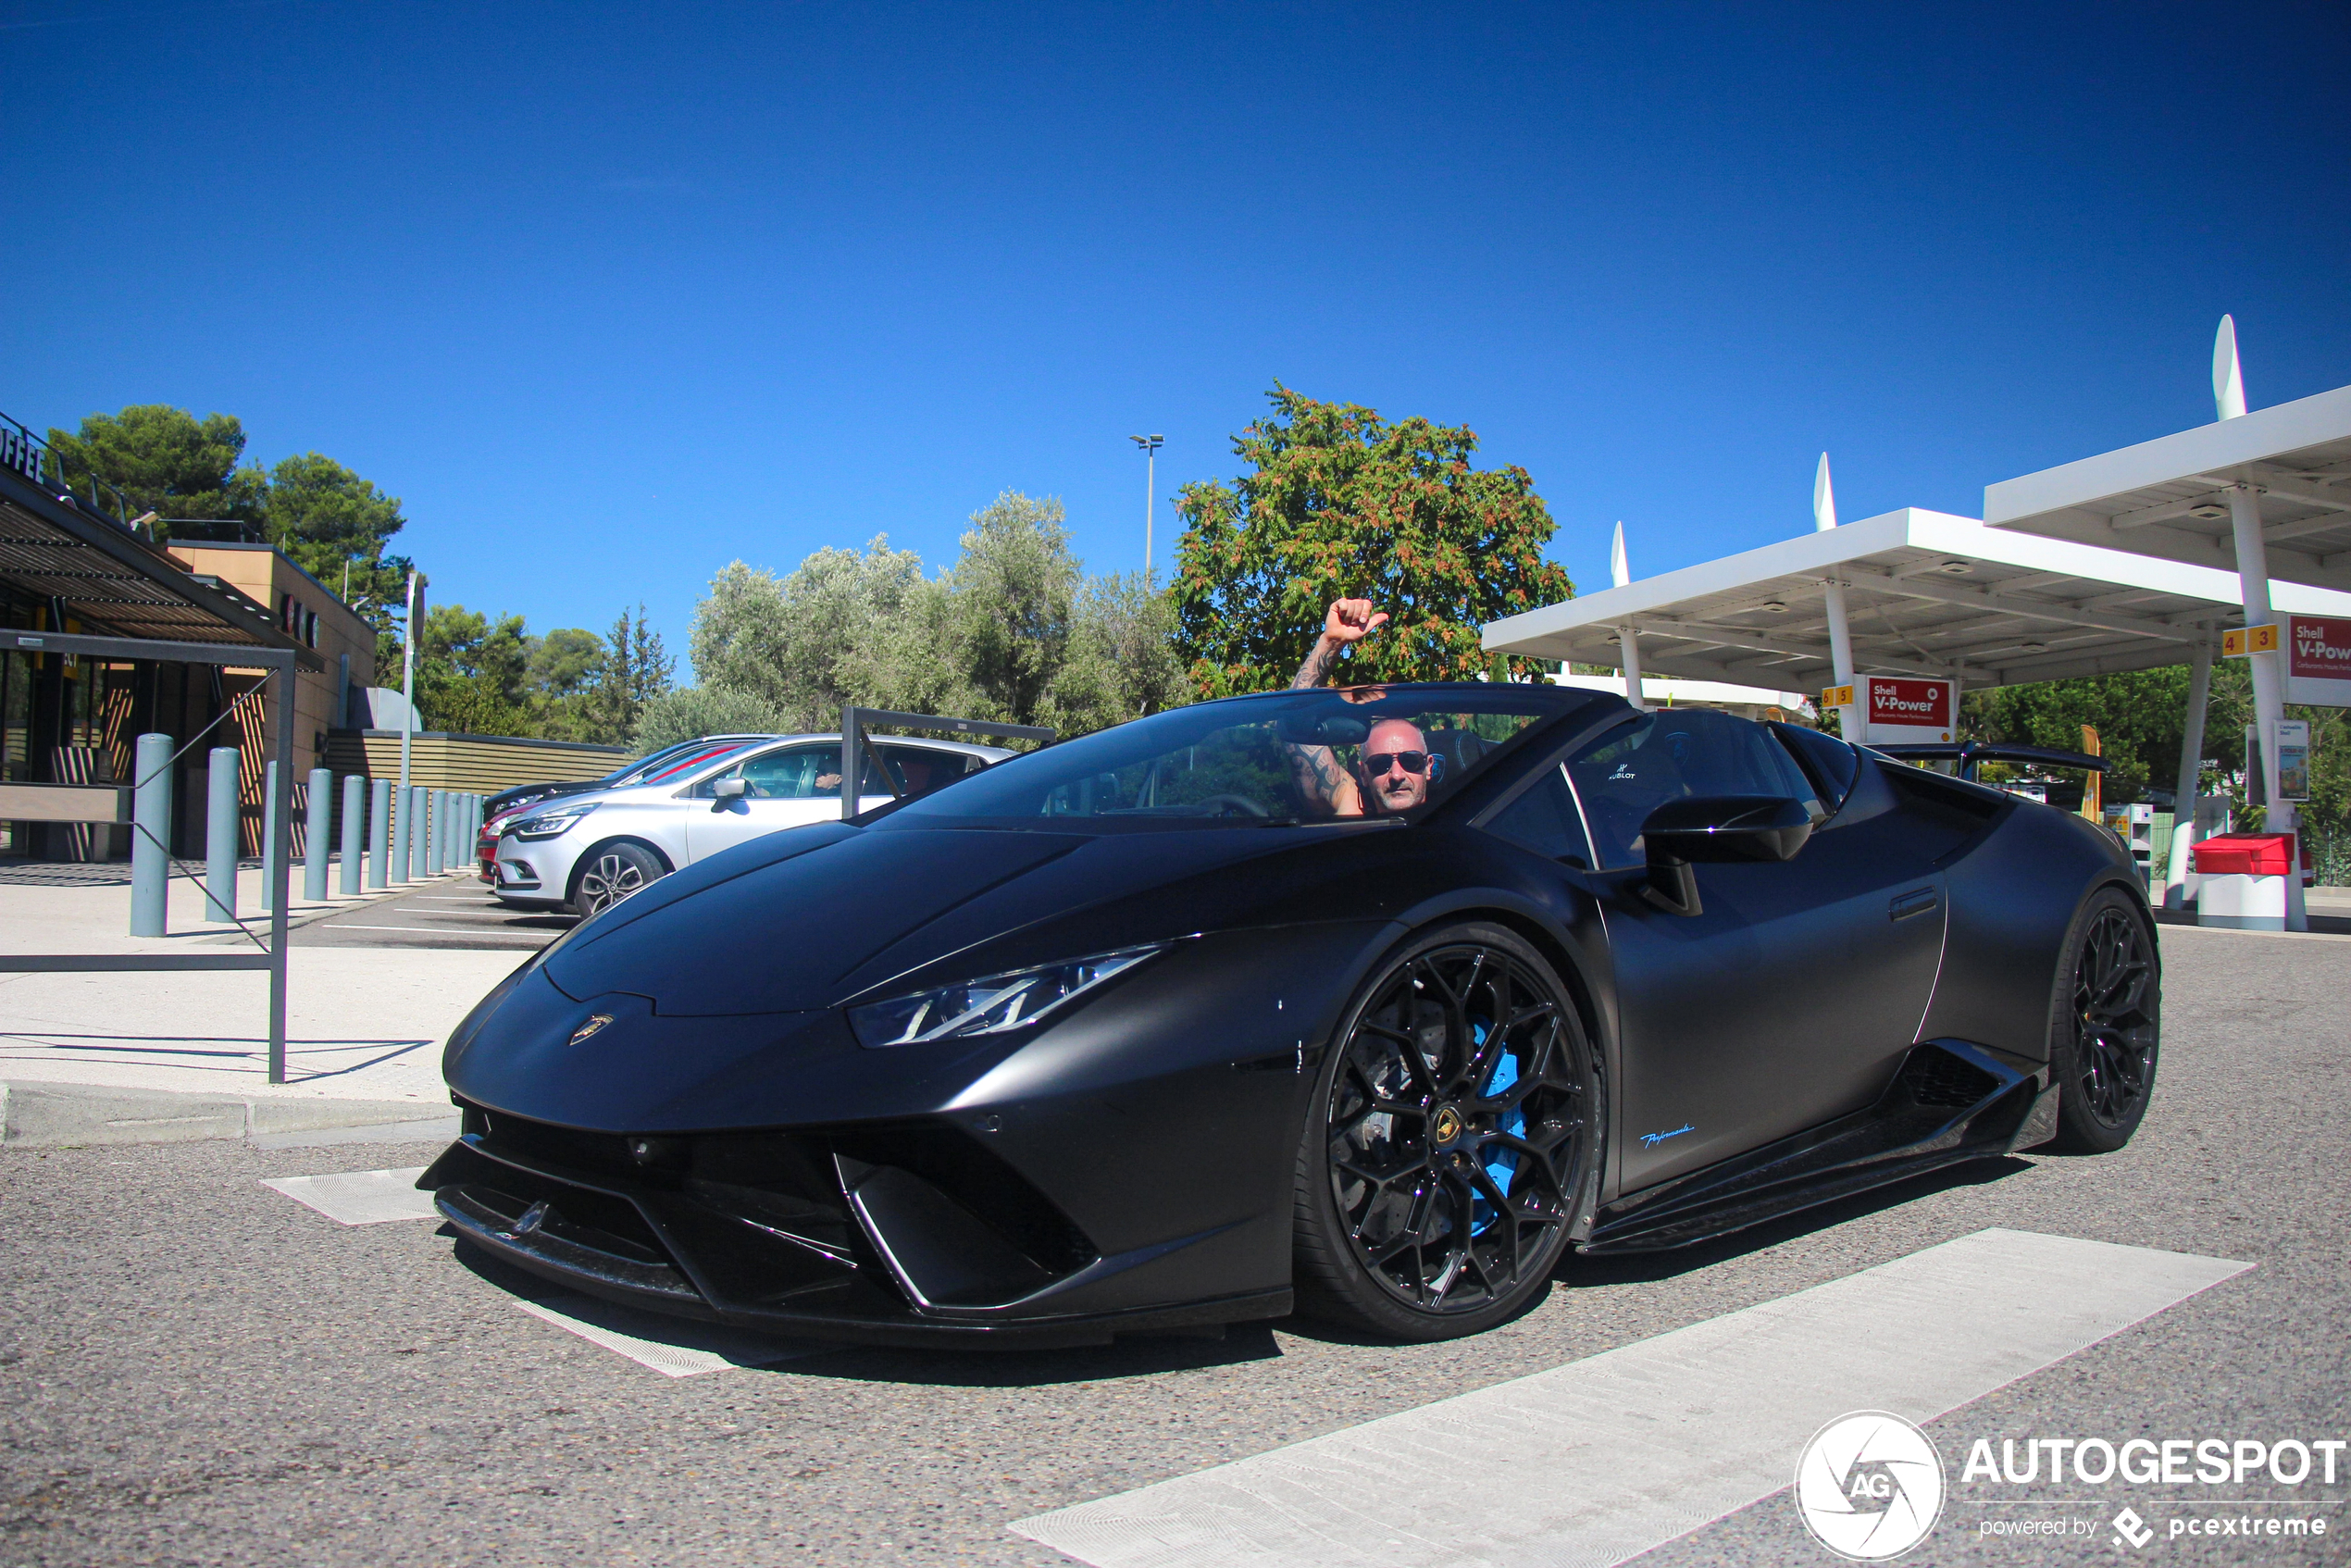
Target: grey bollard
(220, 835)
(436, 830)
(403, 833)
(379, 833)
(417, 794)
(354, 796)
(151, 836)
(317, 828)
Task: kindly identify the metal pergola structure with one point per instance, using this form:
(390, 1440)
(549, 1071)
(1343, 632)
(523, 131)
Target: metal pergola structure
(278, 664)
(857, 740)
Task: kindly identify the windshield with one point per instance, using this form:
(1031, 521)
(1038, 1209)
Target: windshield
(679, 759)
(1293, 757)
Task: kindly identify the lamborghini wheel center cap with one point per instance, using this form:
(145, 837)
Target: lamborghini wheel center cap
(1446, 1124)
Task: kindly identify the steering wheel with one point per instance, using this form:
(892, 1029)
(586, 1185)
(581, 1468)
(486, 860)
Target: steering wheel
(1233, 805)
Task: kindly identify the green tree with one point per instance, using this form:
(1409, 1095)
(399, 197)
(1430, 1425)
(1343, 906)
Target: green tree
(1014, 589)
(335, 525)
(794, 640)
(2141, 717)
(166, 460)
(1120, 661)
(1339, 503)
(636, 670)
(690, 712)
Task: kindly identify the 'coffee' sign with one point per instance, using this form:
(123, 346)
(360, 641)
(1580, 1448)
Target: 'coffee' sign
(2318, 660)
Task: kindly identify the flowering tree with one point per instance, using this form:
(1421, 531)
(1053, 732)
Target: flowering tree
(1339, 503)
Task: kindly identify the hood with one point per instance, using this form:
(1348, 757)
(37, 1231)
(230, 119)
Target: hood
(804, 919)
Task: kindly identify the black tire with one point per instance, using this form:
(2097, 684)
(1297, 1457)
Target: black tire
(2106, 1019)
(610, 873)
(1434, 1194)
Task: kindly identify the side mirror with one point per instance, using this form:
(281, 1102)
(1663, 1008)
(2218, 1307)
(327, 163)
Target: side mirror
(728, 788)
(1714, 829)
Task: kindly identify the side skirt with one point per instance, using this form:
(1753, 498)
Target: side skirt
(1949, 1102)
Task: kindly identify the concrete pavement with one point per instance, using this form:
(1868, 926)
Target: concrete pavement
(196, 1368)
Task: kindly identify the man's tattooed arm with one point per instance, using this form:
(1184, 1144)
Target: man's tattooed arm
(1316, 665)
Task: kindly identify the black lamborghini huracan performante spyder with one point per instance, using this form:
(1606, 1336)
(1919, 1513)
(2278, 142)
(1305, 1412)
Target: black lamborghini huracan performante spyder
(1373, 1004)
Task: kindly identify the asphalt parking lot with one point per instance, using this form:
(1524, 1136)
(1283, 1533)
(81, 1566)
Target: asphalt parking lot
(195, 1368)
(455, 911)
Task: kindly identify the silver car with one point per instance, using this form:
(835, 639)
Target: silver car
(586, 853)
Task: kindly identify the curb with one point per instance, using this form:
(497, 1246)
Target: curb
(54, 1115)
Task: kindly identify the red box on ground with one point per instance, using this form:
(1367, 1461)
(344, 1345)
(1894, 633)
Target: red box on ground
(2242, 854)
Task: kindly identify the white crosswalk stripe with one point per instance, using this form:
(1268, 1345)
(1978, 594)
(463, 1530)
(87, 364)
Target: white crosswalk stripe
(1601, 1460)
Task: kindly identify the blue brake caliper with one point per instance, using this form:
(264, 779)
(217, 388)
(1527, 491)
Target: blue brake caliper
(1501, 1164)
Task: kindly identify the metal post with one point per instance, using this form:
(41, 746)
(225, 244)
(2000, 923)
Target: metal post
(418, 829)
(437, 833)
(408, 691)
(354, 796)
(318, 826)
(151, 836)
(379, 832)
(2269, 683)
(274, 857)
(220, 835)
(851, 755)
(2176, 873)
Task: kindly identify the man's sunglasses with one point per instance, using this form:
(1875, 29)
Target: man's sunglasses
(1375, 764)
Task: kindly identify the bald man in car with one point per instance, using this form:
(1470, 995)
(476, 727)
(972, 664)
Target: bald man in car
(1394, 770)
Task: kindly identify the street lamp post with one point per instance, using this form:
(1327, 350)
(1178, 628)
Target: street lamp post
(1151, 445)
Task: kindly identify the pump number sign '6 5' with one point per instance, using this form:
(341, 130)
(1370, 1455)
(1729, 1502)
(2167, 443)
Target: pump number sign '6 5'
(2318, 660)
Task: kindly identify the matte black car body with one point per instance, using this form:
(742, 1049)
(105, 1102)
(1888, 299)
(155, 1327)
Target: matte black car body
(669, 1107)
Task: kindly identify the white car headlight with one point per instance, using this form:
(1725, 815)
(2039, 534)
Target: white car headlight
(991, 1003)
(551, 824)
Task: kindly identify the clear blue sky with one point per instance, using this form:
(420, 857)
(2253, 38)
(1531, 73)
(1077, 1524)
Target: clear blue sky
(612, 296)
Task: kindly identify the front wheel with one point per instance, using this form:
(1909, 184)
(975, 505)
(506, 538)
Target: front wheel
(2105, 1024)
(1452, 1131)
(611, 874)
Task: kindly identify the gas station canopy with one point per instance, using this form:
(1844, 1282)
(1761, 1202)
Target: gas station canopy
(2171, 497)
(1926, 594)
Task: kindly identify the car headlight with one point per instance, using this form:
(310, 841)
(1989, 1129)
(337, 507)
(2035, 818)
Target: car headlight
(991, 1003)
(548, 824)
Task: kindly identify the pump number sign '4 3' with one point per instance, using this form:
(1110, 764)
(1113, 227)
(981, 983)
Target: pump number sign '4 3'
(2317, 661)
(1899, 708)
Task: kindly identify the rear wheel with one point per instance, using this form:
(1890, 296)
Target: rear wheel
(1451, 1134)
(2104, 1022)
(611, 873)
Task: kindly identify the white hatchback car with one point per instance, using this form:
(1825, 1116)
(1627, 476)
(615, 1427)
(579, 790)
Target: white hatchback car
(586, 853)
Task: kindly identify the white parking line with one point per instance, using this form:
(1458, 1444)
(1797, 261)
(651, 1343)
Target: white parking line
(361, 1196)
(673, 1347)
(427, 931)
(1599, 1461)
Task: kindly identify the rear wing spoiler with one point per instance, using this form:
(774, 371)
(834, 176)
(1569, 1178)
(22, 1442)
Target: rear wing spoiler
(1968, 753)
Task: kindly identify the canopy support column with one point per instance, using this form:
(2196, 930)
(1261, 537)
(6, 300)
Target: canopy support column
(1629, 646)
(2175, 877)
(2269, 684)
(1848, 717)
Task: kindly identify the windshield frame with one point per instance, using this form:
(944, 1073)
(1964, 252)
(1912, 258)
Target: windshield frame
(1545, 705)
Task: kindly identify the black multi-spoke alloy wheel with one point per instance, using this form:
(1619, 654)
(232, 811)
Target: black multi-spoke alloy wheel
(1449, 1143)
(2103, 1025)
(612, 872)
